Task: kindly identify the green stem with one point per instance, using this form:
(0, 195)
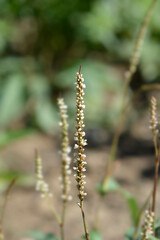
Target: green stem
(84, 221)
(156, 173)
(63, 220)
(114, 146)
(137, 49)
(1, 234)
(140, 214)
(53, 209)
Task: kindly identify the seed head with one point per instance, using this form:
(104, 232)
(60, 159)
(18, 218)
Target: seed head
(79, 160)
(41, 185)
(148, 226)
(153, 116)
(65, 150)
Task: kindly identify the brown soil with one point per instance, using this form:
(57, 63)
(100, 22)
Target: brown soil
(26, 211)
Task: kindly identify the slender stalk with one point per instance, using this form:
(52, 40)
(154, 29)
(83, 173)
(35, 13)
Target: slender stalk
(155, 174)
(57, 217)
(84, 221)
(155, 132)
(137, 49)
(63, 220)
(64, 211)
(1, 233)
(147, 87)
(62, 231)
(128, 76)
(59, 220)
(7, 195)
(142, 210)
(155, 186)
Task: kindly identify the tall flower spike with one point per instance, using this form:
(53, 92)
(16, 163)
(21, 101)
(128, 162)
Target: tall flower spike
(148, 226)
(65, 150)
(80, 161)
(41, 185)
(153, 114)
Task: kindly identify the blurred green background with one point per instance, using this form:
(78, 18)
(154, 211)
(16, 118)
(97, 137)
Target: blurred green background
(43, 43)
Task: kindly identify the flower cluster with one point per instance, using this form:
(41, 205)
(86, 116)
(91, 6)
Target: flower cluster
(41, 185)
(153, 120)
(65, 150)
(79, 138)
(148, 227)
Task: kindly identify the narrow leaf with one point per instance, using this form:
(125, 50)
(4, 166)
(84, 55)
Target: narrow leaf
(37, 235)
(153, 238)
(95, 235)
(112, 186)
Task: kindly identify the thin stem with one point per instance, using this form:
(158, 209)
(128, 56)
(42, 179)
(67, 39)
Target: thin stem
(114, 146)
(63, 220)
(7, 194)
(62, 231)
(145, 87)
(64, 211)
(137, 49)
(155, 187)
(84, 221)
(128, 76)
(59, 220)
(156, 173)
(53, 209)
(1, 233)
(140, 216)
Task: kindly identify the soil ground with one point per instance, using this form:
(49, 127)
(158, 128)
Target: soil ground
(26, 211)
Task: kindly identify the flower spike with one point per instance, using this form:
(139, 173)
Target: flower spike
(81, 142)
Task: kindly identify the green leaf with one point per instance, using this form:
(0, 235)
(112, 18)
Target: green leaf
(95, 235)
(5, 30)
(157, 228)
(23, 179)
(39, 88)
(140, 214)
(37, 235)
(6, 137)
(46, 116)
(12, 99)
(129, 234)
(110, 186)
(133, 206)
(153, 238)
